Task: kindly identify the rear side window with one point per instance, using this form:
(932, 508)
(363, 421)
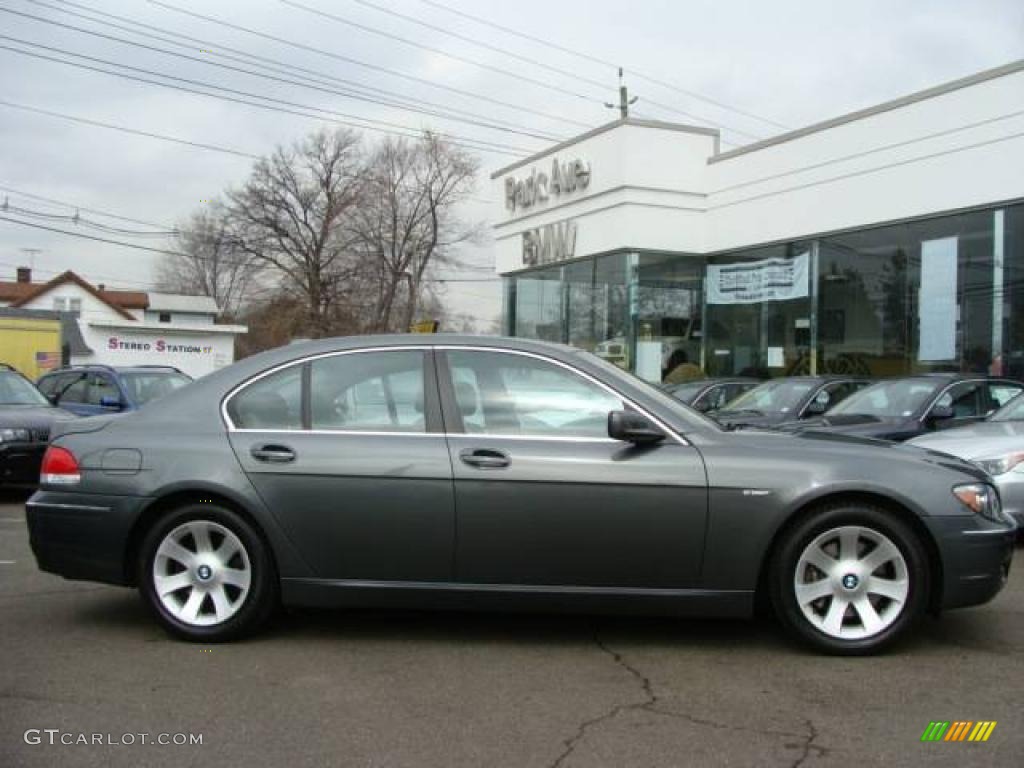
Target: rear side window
(101, 387)
(273, 402)
(75, 389)
(368, 391)
(1002, 393)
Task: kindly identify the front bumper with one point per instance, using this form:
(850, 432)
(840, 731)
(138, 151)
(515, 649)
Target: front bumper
(976, 555)
(19, 464)
(82, 536)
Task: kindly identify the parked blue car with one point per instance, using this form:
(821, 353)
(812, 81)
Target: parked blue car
(88, 390)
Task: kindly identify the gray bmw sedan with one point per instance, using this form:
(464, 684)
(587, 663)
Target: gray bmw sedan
(473, 472)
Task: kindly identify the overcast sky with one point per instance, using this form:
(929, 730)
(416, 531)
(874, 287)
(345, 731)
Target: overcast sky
(789, 62)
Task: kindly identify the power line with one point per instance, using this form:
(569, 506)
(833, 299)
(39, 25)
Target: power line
(273, 65)
(123, 129)
(168, 252)
(357, 62)
(32, 196)
(519, 57)
(604, 62)
(468, 143)
(424, 47)
(480, 122)
(77, 218)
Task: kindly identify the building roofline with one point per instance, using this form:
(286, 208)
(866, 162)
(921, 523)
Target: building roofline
(886, 106)
(70, 277)
(660, 125)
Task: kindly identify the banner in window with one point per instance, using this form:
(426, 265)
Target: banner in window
(753, 282)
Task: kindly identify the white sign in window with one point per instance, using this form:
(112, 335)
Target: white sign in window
(937, 304)
(752, 282)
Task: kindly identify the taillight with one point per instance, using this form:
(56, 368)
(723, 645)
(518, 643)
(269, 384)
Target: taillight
(60, 467)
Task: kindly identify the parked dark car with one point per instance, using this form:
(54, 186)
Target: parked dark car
(26, 418)
(710, 394)
(90, 390)
(469, 472)
(899, 409)
(793, 398)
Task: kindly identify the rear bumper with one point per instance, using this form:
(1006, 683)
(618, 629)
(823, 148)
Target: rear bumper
(19, 464)
(82, 536)
(976, 557)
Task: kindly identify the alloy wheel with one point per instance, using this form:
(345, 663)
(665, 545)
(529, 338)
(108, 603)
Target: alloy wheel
(201, 573)
(851, 582)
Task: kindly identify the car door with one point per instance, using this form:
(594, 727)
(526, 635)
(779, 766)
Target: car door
(544, 497)
(348, 452)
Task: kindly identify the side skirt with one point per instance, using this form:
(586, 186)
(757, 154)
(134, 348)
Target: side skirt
(416, 595)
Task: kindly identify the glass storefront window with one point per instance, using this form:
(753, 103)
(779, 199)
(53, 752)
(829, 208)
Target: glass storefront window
(538, 305)
(767, 337)
(669, 317)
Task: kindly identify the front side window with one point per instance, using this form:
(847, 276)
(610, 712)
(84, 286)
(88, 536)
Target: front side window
(901, 398)
(1001, 393)
(368, 391)
(507, 394)
(73, 389)
(273, 402)
(965, 399)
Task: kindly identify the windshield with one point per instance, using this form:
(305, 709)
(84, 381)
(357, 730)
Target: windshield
(889, 399)
(686, 391)
(1012, 411)
(779, 396)
(145, 387)
(16, 390)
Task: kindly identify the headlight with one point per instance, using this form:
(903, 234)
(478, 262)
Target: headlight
(15, 436)
(999, 465)
(981, 499)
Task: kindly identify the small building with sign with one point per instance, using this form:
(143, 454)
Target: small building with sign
(125, 328)
(887, 241)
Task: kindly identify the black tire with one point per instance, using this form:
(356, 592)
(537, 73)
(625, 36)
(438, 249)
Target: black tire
(873, 521)
(250, 612)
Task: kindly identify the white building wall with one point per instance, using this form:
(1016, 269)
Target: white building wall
(92, 308)
(662, 187)
(194, 352)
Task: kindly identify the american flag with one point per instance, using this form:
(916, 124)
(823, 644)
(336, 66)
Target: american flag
(47, 360)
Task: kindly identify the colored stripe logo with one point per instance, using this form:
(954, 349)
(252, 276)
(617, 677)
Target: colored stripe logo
(958, 730)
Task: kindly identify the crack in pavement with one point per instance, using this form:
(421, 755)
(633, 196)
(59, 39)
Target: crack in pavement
(651, 704)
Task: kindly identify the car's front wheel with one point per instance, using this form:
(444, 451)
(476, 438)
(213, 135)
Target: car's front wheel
(850, 579)
(206, 574)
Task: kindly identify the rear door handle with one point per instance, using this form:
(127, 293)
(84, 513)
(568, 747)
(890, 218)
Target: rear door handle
(485, 458)
(273, 454)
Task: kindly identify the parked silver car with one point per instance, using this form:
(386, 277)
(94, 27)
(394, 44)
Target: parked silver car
(997, 446)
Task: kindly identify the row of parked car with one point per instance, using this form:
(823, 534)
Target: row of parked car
(974, 417)
(28, 410)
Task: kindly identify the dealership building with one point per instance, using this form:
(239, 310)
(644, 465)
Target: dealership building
(118, 328)
(886, 241)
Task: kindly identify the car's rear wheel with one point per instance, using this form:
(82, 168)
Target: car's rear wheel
(850, 579)
(206, 574)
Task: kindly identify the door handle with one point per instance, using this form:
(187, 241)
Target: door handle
(485, 458)
(273, 454)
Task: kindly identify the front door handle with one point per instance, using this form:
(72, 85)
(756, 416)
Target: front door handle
(273, 454)
(484, 458)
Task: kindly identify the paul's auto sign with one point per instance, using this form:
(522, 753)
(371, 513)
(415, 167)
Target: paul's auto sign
(117, 344)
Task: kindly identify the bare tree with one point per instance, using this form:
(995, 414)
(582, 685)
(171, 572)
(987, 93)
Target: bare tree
(406, 221)
(210, 263)
(290, 217)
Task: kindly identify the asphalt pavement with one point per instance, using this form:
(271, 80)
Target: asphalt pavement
(84, 661)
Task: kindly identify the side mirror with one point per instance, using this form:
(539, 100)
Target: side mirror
(633, 428)
(108, 401)
(941, 413)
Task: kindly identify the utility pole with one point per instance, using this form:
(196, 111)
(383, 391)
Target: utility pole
(624, 100)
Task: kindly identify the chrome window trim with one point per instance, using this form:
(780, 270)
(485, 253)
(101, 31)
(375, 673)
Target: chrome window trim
(426, 348)
(611, 390)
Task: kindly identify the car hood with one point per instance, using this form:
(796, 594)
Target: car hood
(839, 446)
(749, 418)
(857, 425)
(989, 438)
(32, 416)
